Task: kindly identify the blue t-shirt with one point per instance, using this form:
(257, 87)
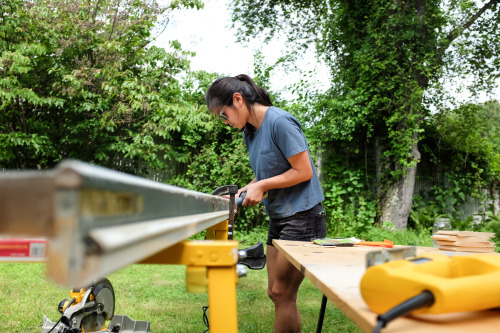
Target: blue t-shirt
(278, 138)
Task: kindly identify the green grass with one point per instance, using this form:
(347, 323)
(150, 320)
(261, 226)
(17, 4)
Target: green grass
(155, 293)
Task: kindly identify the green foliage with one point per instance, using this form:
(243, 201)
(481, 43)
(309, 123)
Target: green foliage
(490, 224)
(353, 220)
(350, 206)
(449, 198)
(462, 142)
(252, 237)
(423, 218)
(463, 225)
(81, 80)
(222, 160)
(408, 237)
(473, 132)
(382, 56)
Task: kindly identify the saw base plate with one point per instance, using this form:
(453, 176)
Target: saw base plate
(119, 324)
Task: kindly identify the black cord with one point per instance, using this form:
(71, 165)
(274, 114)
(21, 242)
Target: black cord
(70, 302)
(380, 325)
(55, 324)
(205, 318)
(424, 299)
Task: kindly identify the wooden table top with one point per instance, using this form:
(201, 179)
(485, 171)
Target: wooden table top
(337, 272)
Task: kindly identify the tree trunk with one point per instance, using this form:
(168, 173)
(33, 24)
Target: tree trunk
(495, 194)
(396, 201)
(377, 153)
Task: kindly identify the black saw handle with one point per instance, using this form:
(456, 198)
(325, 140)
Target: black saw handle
(239, 201)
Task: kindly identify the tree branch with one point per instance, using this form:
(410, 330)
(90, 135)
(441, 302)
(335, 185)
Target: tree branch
(114, 21)
(455, 33)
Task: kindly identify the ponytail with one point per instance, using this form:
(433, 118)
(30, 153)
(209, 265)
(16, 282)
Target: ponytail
(262, 97)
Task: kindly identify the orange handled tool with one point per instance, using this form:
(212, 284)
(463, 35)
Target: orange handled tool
(385, 243)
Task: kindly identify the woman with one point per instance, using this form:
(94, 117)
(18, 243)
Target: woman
(280, 159)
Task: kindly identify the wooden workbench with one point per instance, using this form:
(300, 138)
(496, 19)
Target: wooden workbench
(337, 273)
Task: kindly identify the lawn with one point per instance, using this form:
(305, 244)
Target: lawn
(155, 293)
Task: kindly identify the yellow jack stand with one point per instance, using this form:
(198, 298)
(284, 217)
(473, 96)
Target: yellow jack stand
(218, 231)
(209, 263)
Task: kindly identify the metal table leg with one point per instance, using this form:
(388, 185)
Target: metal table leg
(321, 314)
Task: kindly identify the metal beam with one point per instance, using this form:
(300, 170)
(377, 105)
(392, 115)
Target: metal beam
(26, 197)
(100, 220)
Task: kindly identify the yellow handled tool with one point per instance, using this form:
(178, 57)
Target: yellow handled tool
(433, 283)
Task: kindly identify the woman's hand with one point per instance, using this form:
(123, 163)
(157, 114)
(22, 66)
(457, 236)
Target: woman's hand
(244, 188)
(300, 171)
(255, 194)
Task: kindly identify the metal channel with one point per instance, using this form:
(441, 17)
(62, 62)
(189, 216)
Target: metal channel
(26, 203)
(387, 255)
(120, 246)
(100, 220)
(109, 197)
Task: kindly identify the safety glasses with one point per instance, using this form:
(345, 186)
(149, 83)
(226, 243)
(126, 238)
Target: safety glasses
(222, 116)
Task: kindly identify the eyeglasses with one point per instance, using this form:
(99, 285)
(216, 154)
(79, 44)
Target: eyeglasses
(222, 116)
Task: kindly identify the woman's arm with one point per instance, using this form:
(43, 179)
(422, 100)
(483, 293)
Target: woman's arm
(300, 171)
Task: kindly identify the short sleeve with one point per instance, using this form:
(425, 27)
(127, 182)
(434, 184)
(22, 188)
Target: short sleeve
(288, 136)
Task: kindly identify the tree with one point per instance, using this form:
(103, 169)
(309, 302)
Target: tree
(384, 55)
(469, 137)
(80, 79)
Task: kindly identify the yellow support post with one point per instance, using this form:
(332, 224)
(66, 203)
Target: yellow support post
(218, 231)
(212, 263)
(222, 299)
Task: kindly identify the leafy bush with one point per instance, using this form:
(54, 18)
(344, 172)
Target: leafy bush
(399, 237)
(349, 220)
(80, 80)
(252, 237)
(349, 203)
(423, 218)
(490, 224)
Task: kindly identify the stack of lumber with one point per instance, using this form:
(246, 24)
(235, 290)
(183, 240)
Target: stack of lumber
(466, 241)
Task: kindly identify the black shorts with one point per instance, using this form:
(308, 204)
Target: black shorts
(303, 226)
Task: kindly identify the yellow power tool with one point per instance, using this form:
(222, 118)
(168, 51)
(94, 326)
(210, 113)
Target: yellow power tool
(432, 283)
(89, 310)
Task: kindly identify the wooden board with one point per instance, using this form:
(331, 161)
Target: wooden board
(460, 238)
(466, 233)
(467, 249)
(337, 273)
(466, 243)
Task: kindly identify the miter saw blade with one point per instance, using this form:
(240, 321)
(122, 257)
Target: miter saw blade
(97, 306)
(104, 296)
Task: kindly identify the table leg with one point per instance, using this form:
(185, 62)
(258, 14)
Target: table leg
(321, 314)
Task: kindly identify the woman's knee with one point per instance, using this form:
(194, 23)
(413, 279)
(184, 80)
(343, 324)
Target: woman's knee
(278, 295)
(274, 294)
(270, 294)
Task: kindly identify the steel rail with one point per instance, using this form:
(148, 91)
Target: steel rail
(99, 220)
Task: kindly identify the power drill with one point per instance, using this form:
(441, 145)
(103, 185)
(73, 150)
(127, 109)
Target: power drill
(432, 283)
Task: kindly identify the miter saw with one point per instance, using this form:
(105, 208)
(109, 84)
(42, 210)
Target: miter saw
(89, 310)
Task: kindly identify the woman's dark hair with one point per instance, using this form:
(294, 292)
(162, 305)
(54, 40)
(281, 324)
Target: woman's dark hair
(221, 92)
